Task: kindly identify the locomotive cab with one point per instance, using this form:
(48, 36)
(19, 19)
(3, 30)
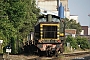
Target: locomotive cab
(49, 34)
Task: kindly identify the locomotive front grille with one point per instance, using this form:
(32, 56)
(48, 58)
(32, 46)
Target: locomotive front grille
(49, 31)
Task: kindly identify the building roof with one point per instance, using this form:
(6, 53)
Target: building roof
(73, 15)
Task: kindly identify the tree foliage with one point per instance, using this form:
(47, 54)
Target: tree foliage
(30, 18)
(17, 19)
(71, 24)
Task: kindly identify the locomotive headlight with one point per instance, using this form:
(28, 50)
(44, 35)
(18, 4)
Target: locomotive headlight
(41, 28)
(41, 32)
(61, 34)
(58, 29)
(57, 32)
(57, 35)
(41, 35)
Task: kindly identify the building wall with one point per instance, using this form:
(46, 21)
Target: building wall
(65, 4)
(74, 17)
(71, 32)
(51, 7)
(48, 5)
(52, 4)
(67, 14)
(85, 28)
(82, 32)
(89, 31)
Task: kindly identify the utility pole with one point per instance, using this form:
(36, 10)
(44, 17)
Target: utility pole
(58, 4)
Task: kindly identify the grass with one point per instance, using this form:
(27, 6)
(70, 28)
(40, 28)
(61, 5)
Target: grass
(61, 57)
(67, 50)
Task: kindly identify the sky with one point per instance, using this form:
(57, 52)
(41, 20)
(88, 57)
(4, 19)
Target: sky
(82, 9)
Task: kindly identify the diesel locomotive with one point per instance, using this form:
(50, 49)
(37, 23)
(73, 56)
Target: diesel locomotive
(49, 33)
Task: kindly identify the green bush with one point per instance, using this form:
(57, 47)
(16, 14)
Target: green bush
(74, 42)
(83, 42)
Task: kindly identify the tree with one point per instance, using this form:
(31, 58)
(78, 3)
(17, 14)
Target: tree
(12, 13)
(71, 24)
(31, 16)
(6, 27)
(17, 19)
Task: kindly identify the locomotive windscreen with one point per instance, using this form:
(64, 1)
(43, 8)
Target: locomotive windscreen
(50, 32)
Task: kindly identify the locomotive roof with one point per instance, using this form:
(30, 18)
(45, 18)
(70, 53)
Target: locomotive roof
(47, 15)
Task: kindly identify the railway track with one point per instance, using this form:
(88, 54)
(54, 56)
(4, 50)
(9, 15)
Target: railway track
(76, 54)
(65, 55)
(44, 58)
